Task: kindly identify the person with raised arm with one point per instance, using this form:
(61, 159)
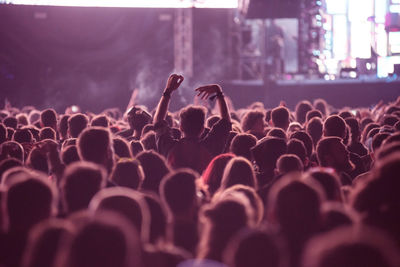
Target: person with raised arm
(195, 150)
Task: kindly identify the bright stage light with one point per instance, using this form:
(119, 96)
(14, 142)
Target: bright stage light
(132, 3)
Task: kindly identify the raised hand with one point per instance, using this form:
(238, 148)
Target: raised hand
(173, 83)
(207, 91)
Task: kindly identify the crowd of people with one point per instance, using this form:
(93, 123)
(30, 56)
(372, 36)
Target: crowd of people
(203, 186)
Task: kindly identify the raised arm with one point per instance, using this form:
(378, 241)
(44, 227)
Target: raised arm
(173, 83)
(208, 91)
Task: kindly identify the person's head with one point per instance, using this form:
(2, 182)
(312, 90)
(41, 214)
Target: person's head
(101, 121)
(267, 151)
(30, 198)
(253, 121)
(178, 191)
(128, 173)
(23, 136)
(334, 125)
(295, 206)
(63, 126)
(238, 171)
(296, 147)
(304, 137)
(155, 168)
(47, 133)
(277, 132)
(158, 218)
(102, 239)
(314, 113)
(95, 145)
(121, 148)
(314, 129)
(321, 105)
(43, 242)
(242, 143)
(351, 246)
(222, 219)
(212, 175)
(11, 149)
(136, 147)
(212, 120)
(3, 133)
(38, 161)
(329, 181)
(354, 129)
(289, 163)
(192, 120)
(81, 181)
(22, 119)
(76, 124)
(301, 110)
(331, 152)
(252, 248)
(10, 122)
(126, 202)
(149, 141)
(48, 118)
(378, 140)
(280, 117)
(138, 118)
(69, 154)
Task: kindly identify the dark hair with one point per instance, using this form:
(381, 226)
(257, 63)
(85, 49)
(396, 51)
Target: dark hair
(212, 175)
(313, 114)
(63, 126)
(301, 110)
(94, 144)
(48, 118)
(334, 125)
(314, 129)
(280, 117)
(238, 171)
(289, 163)
(121, 148)
(250, 118)
(38, 160)
(136, 147)
(23, 136)
(47, 133)
(242, 143)
(10, 122)
(100, 120)
(76, 124)
(81, 181)
(69, 154)
(306, 139)
(128, 173)
(192, 120)
(277, 132)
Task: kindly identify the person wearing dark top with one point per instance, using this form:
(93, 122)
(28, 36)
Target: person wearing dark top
(191, 151)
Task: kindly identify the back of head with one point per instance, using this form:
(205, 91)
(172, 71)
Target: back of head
(38, 161)
(47, 133)
(238, 171)
(351, 246)
(149, 141)
(154, 167)
(100, 120)
(104, 239)
(76, 124)
(7, 164)
(280, 117)
(334, 125)
(314, 129)
(48, 118)
(136, 147)
(289, 163)
(81, 181)
(69, 154)
(158, 218)
(126, 202)
(11, 149)
(304, 137)
(63, 126)
(121, 148)
(250, 119)
(3, 133)
(10, 122)
(128, 173)
(242, 143)
(277, 132)
(313, 114)
(23, 136)
(329, 181)
(325, 147)
(252, 248)
(178, 191)
(44, 241)
(321, 105)
(94, 144)
(354, 129)
(301, 111)
(295, 205)
(30, 199)
(267, 151)
(192, 120)
(212, 175)
(298, 148)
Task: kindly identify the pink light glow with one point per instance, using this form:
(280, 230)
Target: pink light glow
(133, 3)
